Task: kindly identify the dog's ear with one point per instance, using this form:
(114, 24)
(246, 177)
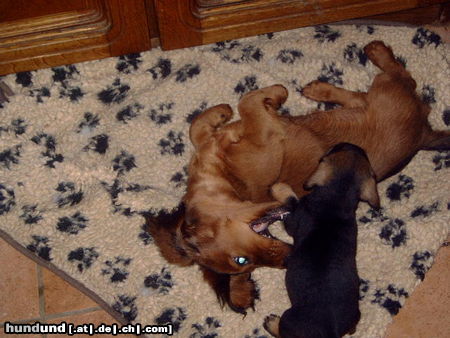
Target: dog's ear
(320, 177)
(369, 192)
(165, 230)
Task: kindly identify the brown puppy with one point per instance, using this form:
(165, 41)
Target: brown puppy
(235, 164)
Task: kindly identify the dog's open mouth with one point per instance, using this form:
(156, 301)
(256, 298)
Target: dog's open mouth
(261, 225)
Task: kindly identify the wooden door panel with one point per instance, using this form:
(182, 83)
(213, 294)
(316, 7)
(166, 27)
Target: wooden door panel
(194, 22)
(50, 33)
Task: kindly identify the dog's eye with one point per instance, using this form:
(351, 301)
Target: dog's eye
(241, 260)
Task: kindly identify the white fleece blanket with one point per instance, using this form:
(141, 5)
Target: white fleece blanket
(85, 149)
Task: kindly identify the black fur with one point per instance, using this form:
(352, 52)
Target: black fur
(322, 279)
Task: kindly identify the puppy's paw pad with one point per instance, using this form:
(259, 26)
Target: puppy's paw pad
(271, 324)
(317, 91)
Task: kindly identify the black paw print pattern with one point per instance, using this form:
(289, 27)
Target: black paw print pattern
(173, 144)
(175, 316)
(89, 122)
(389, 298)
(196, 112)
(424, 37)
(161, 114)
(353, 53)
(145, 236)
(289, 56)
(206, 330)
(98, 144)
(116, 269)
(31, 214)
(25, 79)
(64, 76)
(331, 74)
(10, 156)
(400, 189)
(128, 113)
(187, 72)
(83, 258)
(366, 29)
(68, 194)
(161, 70)
(425, 211)
(126, 306)
(48, 142)
(17, 126)
(374, 215)
(160, 283)
(235, 52)
(7, 199)
(115, 93)
(428, 94)
(421, 263)
(324, 33)
(441, 160)
(179, 179)
(394, 233)
(364, 286)
(40, 247)
(124, 162)
(40, 94)
(247, 84)
(72, 224)
(129, 63)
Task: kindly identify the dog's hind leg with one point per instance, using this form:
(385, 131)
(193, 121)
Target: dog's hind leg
(205, 124)
(383, 57)
(259, 118)
(325, 92)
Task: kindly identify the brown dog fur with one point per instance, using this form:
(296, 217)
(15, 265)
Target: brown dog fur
(235, 164)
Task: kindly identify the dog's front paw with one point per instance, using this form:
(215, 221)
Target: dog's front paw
(272, 324)
(317, 91)
(220, 114)
(242, 293)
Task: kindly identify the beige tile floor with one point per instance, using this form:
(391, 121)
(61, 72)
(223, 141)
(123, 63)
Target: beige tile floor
(30, 293)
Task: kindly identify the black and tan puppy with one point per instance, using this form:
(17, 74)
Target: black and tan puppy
(321, 279)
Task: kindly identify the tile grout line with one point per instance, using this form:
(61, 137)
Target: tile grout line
(40, 280)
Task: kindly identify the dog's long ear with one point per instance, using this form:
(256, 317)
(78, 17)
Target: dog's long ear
(321, 176)
(164, 229)
(369, 192)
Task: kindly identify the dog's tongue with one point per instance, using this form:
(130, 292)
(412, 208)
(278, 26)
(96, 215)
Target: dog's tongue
(261, 224)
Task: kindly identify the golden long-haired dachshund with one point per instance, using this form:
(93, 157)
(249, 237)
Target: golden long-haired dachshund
(235, 164)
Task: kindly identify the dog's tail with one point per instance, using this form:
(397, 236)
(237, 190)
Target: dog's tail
(437, 140)
(164, 228)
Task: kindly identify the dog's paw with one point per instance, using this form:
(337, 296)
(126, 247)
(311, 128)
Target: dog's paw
(380, 54)
(242, 292)
(218, 115)
(271, 324)
(317, 91)
(276, 95)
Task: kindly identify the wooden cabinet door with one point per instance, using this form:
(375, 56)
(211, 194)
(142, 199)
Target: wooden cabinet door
(193, 22)
(42, 33)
